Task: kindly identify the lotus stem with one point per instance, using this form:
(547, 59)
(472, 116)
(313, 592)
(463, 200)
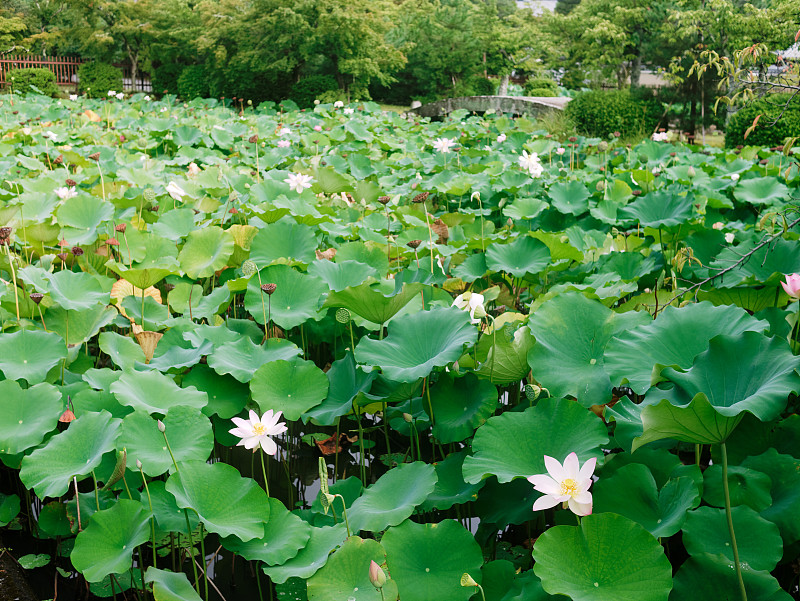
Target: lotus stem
(263, 306)
(729, 516)
(78, 502)
(203, 556)
(96, 496)
(264, 473)
(430, 236)
(13, 277)
(152, 517)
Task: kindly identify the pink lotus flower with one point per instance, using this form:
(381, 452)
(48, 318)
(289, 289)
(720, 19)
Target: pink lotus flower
(317, 128)
(792, 285)
(568, 484)
(284, 143)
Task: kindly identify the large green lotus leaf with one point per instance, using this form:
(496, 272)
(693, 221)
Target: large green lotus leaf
(748, 372)
(170, 586)
(346, 575)
(174, 224)
(154, 392)
(574, 561)
(418, 342)
(169, 517)
(571, 334)
(627, 419)
(226, 503)
(507, 358)
(675, 339)
(106, 544)
(698, 422)
(226, 396)
(346, 380)
(524, 208)
(79, 217)
(370, 303)
(659, 209)
(761, 190)
(9, 508)
(631, 491)
(342, 274)
(513, 444)
(472, 268)
(28, 415)
(358, 251)
(713, 577)
(206, 250)
(295, 300)
(189, 434)
(432, 557)
(528, 587)
(758, 540)
(311, 557)
(745, 486)
(784, 472)
(497, 578)
(75, 452)
(769, 262)
(524, 256)
(570, 198)
(507, 503)
(29, 354)
(243, 357)
(393, 497)
(293, 386)
(282, 241)
(450, 487)
(284, 535)
(460, 405)
(158, 258)
(77, 290)
(80, 326)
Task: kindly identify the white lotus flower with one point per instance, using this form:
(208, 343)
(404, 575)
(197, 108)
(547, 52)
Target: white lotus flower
(443, 144)
(348, 111)
(729, 237)
(73, 96)
(120, 96)
(472, 302)
(531, 163)
(112, 92)
(175, 191)
(299, 181)
(338, 104)
(285, 131)
(735, 177)
(193, 169)
(660, 136)
(64, 193)
(147, 98)
(568, 484)
(256, 431)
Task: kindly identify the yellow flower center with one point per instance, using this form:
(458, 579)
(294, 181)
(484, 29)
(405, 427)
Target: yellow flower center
(569, 487)
(260, 430)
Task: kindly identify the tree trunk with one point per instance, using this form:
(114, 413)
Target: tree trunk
(134, 58)
(636, 71)
(503, 90)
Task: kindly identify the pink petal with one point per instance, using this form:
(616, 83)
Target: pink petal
(545, 502)
(588, 469)
(580, 508)
(545, 484)
(572, 466)
(554, 469)
(269, 446)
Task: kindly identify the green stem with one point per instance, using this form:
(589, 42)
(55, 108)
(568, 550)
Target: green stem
(264, 473)
(152, 519)
(96, 496)
(726, 491)
(344, 513)
(263, 307)
(203, 559)
(483, 596)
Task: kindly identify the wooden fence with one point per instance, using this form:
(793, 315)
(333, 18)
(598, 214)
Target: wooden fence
(66, 70)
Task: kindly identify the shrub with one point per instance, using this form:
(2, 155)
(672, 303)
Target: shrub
(308, 89)
(540, 86)
(193, 82)
(96, 79)
(166, 78)
(599, 113)
(482, 86)
(764, 134)
(44, 80)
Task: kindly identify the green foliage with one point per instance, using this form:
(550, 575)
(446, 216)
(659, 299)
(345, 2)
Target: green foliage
(193, 82)
(96, 79)
(165, 78)
(481, 86)
(768, 110)
(600, 113)
(540, 86)
(308, 89)
(27, 81)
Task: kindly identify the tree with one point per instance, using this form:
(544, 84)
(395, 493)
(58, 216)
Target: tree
(564, 7)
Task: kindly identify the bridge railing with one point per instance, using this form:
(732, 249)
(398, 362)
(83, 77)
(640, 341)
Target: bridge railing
(65, 68)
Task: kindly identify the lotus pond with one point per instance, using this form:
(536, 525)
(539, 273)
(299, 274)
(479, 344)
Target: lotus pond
(443, 313)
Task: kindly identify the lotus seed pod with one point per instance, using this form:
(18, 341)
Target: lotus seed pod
(249, 268)
(343, 315)
(120, 227)
(421, 197)
(253, 139)
(71, 183)
(467, 580)
(414, 244)
(149, 195)
(36, 297)
(77, 251)
(532, 392)
(269, 288)
(95, 156)
(384, 199)
(58, 160)
(5, 232)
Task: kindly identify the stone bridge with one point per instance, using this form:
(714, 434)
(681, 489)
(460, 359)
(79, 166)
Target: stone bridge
(517, 105)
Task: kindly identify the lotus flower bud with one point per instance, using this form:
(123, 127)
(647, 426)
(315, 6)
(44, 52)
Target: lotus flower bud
(376, 575)
(691, 171)
(408, 417)
(138, 464)
(161, 427)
